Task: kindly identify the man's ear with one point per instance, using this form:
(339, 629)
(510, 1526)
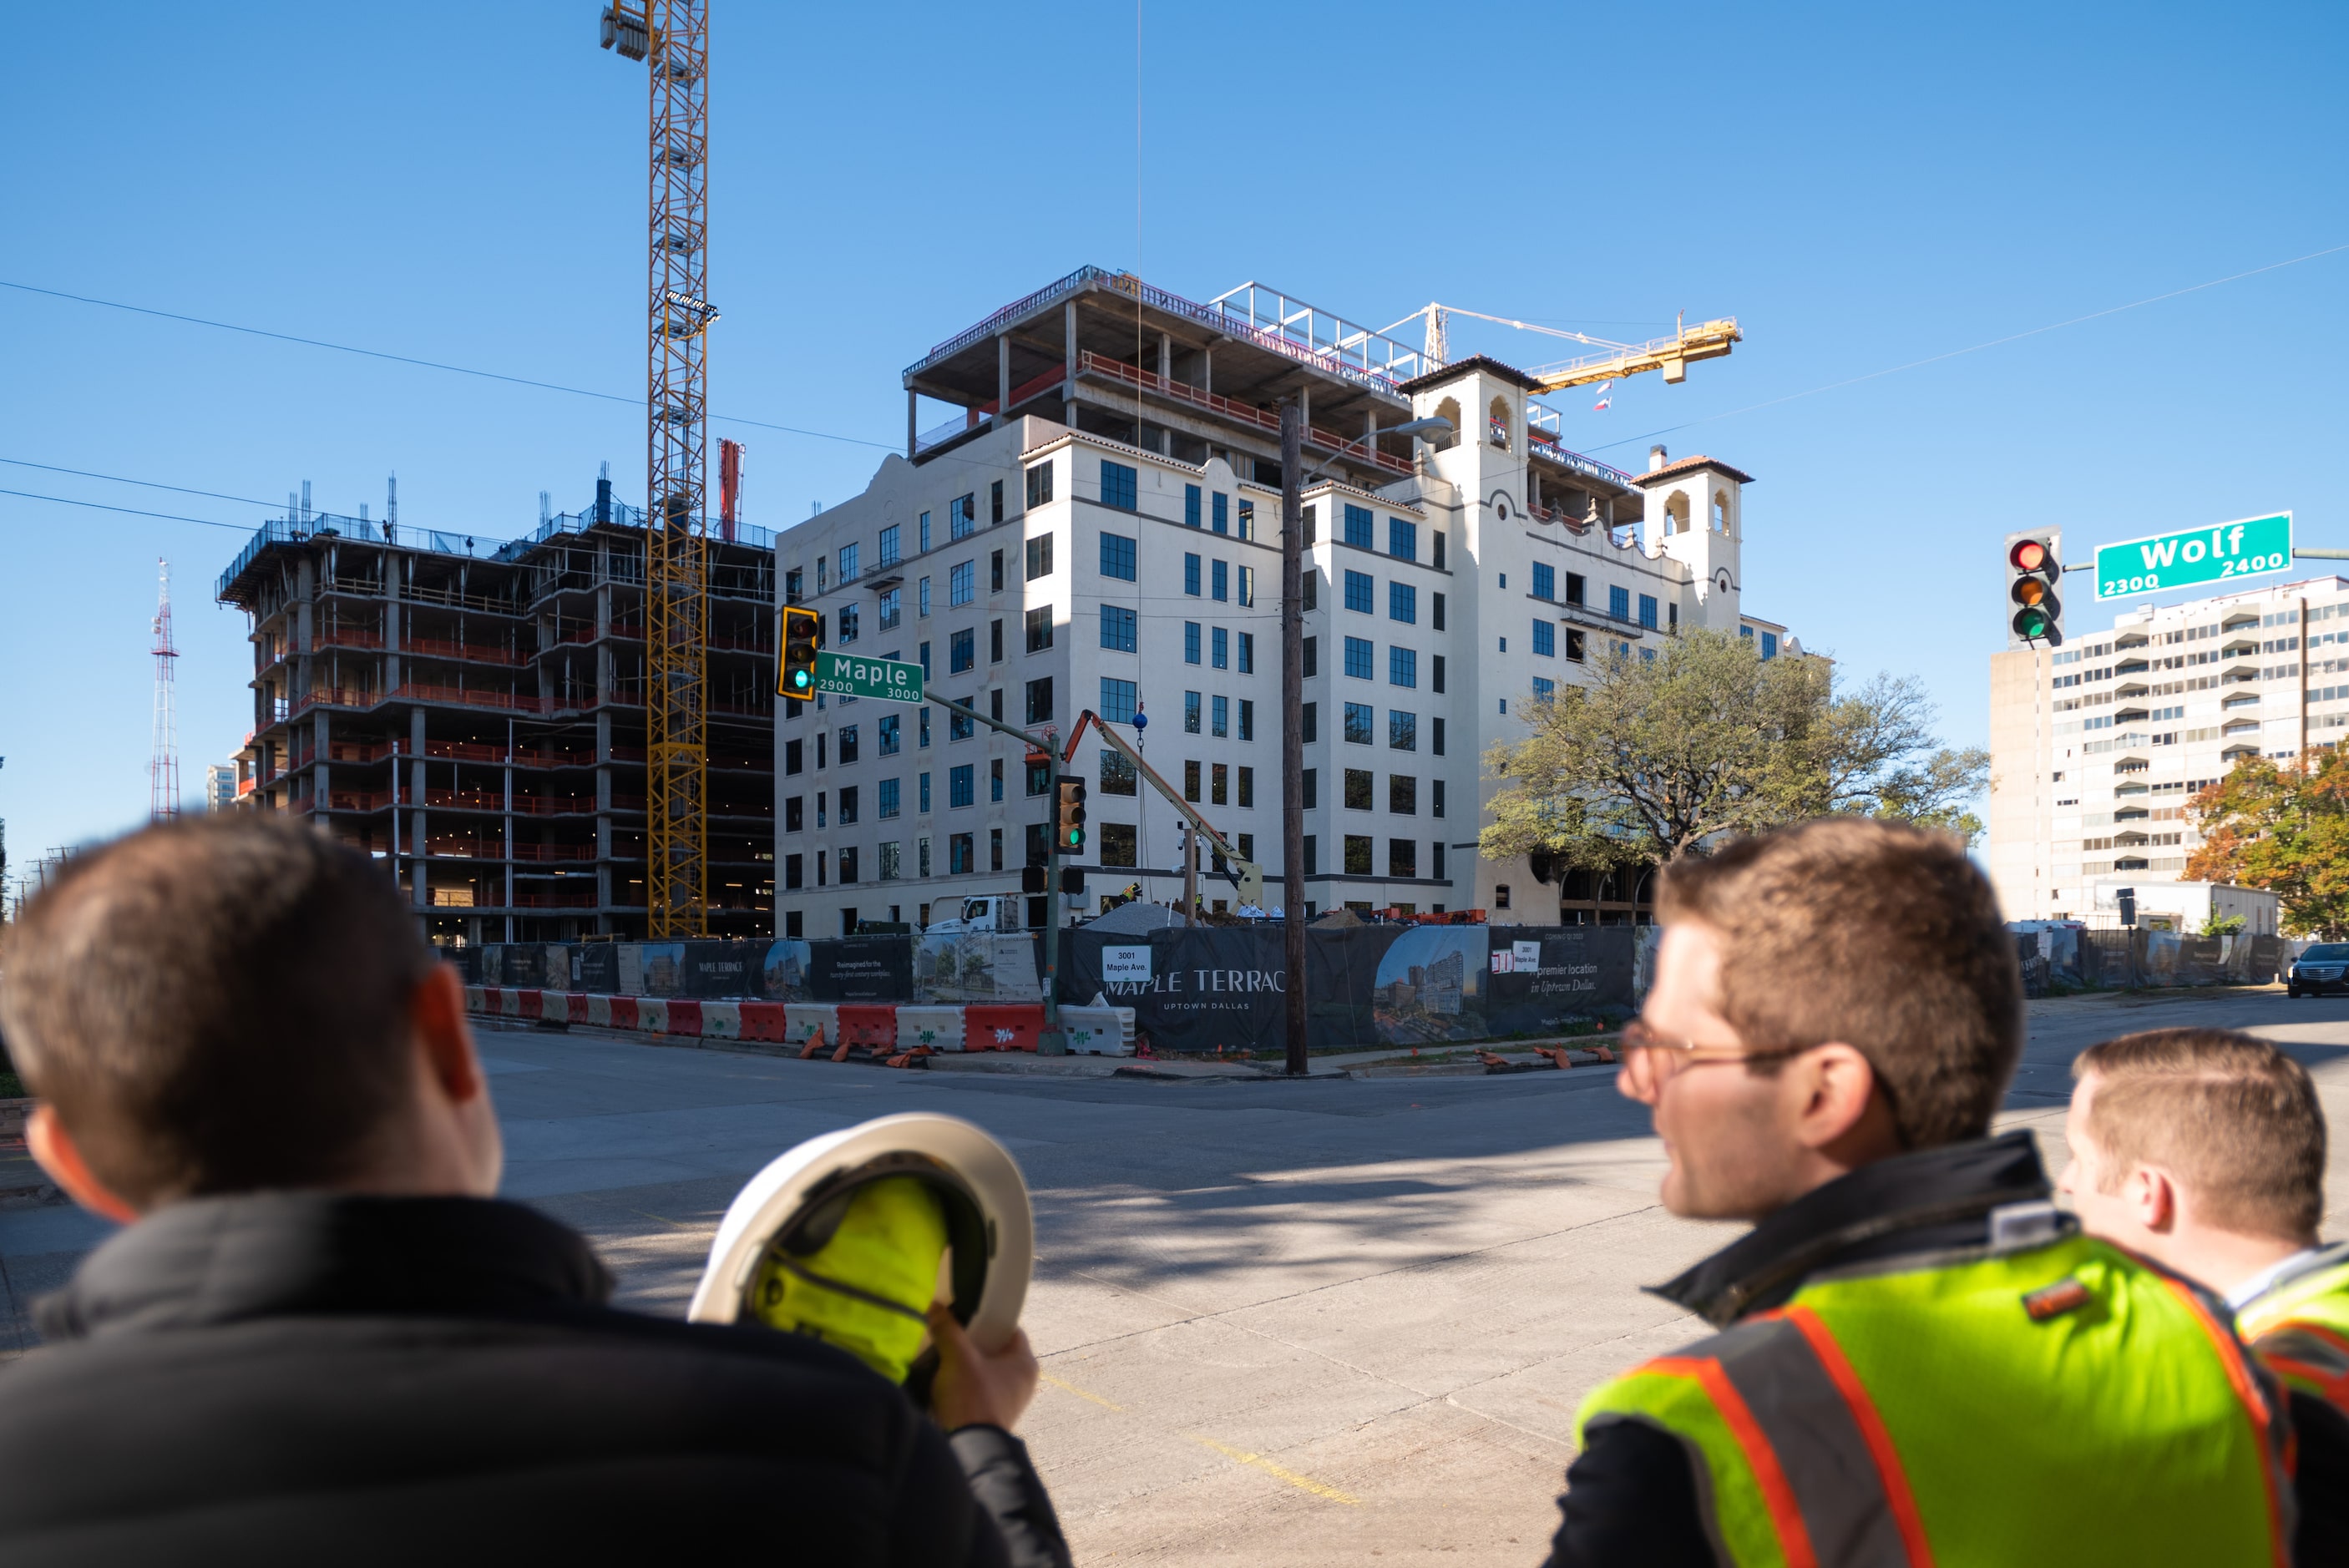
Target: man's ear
(54, 1150)
(437, 1008)
(2152, 1198)
(1841, 1114)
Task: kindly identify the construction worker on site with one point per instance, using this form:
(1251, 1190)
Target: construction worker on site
(2203, 1150)
(1918, 1357)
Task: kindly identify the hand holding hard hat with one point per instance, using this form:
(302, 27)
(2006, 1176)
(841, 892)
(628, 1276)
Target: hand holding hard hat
(889, 1239)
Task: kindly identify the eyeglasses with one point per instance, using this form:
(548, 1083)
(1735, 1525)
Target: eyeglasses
(1651, 1059)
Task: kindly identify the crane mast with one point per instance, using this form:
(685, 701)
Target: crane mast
(673, 37)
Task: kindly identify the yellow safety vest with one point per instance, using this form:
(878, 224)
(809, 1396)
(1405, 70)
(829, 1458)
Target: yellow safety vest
(2300, 1326)
(2067, 1403)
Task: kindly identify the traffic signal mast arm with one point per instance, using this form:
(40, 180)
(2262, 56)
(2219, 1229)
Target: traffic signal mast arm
(1237, 867)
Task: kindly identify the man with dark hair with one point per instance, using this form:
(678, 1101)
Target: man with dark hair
(1918, 1359)
(321, 1338)
(2203, 1150)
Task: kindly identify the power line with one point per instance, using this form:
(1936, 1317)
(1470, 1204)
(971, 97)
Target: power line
(120, 479)
(132, 510)
(1978, 348)
(425, 363)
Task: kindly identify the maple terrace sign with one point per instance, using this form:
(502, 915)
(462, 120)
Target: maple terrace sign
(2194, 555)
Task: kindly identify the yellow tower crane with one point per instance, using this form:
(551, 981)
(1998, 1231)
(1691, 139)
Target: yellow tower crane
(673, 37)
(1614, 361)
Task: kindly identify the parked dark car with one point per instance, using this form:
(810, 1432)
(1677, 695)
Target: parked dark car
(2321, 968)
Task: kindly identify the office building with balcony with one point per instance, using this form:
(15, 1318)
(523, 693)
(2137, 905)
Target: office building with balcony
(2097, 746)
(472, 713)
(1099, 528)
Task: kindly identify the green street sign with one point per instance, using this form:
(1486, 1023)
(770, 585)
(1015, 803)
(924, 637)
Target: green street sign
(883, 679)
(2240, 548)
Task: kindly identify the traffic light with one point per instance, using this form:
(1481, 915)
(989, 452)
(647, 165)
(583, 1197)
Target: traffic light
(1069, 837)
(803, 636)
(1032, 879)
(2034, 570)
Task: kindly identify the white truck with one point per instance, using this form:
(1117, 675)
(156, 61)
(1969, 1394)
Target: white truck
(991, 912)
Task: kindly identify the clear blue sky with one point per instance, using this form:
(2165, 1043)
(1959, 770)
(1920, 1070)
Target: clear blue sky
(1862, 187)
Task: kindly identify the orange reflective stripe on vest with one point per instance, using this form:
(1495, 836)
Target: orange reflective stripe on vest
(2239, 1376)
(2312, 1355)
(1785, 1511)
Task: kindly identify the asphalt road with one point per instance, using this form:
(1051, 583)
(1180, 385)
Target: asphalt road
(1281, 1323)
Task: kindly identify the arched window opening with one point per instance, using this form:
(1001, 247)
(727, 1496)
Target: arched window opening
(1676, 512)
(1449, 409)
(1720, 511)
(1497, 422)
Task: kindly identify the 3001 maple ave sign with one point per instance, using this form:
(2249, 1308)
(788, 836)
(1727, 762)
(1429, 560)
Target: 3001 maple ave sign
(2181, 560)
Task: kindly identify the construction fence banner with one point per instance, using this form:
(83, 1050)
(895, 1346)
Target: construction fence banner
(981, 966)
(2058, 958)
(1203, 988)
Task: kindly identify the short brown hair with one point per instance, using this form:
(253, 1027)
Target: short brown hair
(218, 1005)
(2231, 1116)
(1884, 937)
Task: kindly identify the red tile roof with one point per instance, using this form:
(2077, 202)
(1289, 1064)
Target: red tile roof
(1670, 471)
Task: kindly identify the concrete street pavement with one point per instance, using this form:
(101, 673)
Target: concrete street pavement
(1281, 1323)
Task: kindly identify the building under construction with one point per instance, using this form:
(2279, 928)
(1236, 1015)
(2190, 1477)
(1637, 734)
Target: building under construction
(473, 712)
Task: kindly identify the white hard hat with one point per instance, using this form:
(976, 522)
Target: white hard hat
(799, 1198)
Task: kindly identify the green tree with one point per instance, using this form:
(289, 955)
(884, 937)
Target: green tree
(2285, 829)
(1655, 759)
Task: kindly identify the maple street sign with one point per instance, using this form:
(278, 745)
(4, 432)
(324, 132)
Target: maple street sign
(885, 680)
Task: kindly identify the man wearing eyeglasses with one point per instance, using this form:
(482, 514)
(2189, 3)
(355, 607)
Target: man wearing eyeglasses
(1918, 1357)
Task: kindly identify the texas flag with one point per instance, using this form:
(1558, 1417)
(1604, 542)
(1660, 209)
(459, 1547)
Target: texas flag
(1605, 397)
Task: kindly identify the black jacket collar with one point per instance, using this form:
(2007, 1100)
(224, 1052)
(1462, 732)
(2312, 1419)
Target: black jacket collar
(1930, 1201)
(262, 1254)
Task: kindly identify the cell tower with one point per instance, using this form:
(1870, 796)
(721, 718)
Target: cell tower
(163, 763)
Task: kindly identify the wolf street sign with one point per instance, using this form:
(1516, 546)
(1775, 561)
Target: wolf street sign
(885, 680)
(2241, 549)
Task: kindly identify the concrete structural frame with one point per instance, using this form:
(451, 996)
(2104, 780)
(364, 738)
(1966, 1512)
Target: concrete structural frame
(1098, 528)
(472, 713)
(2097, 746)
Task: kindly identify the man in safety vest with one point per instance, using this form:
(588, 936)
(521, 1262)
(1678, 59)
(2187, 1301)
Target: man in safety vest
(2204, 1150)
(1918, 1358)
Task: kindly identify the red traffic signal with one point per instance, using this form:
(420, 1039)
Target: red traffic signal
(2033, 568)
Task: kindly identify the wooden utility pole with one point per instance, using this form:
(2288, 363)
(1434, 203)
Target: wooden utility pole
(1292, 721)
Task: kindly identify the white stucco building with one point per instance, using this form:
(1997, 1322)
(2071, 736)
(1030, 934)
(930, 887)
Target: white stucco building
(1099, 529)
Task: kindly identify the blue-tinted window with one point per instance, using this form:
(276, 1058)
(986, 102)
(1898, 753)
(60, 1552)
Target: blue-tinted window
(1219, 649)
(1545, 690)
(924, 794)
(1223, 513)
(1118, 628)
(1116, 557)
(1402, 539)
(887, 794)
(1769, 645)
(1119, 486)
(961, 789)
(1647, 609)
(1220, 718)
(1117, 701)
(1191, 574)
(1403, 732)
(1219, 580)
(1190, 712)
(1362, 721)
(961, 583)
(1403, 668)
(962, 650)
(1545, 581)
(1359, 658)
(1619, 602)
(1191, 506)
(1357, 591)
(1248, 652)
(1190, 642)
(891, 735)
(1402, 604)
(1545, 639)
(1357, 525)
